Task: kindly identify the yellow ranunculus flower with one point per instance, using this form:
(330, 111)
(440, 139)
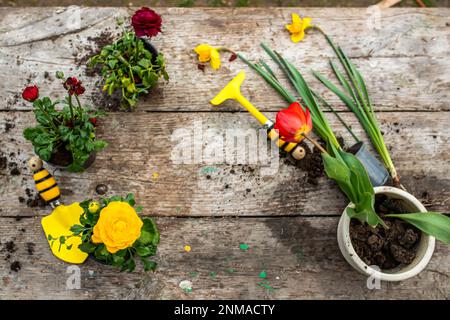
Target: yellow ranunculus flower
(118, 227)
(208, 53)
(298, 27)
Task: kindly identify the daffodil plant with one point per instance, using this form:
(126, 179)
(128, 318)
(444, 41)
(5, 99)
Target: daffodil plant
(112, 231)
(355, 95)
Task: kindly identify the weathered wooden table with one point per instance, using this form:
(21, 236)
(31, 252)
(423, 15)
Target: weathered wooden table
(288, 221)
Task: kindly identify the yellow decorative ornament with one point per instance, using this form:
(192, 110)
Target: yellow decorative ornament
(298, 27)
(118, 227)
(208, 53)
(58, 224)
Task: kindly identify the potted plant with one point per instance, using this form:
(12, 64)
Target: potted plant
(64, 137)
(132, 65)
(401, 251)
(404, 231)
(110, 231)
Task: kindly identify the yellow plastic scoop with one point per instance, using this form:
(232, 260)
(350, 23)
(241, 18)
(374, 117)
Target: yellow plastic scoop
(59, 222)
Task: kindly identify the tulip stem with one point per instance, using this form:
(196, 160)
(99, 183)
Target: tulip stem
(315, 143)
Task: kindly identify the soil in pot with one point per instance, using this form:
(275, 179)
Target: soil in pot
(63, 158)
(386, 248)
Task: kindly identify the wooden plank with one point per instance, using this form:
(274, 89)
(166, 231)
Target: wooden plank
(405, 63)
(300, 256)
(139, 159)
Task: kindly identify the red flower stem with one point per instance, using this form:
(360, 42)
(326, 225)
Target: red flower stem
(80, 108)
(71, 108)
(315, 143)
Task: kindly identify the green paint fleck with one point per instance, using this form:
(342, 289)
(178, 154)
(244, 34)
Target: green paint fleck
(188, 290)
(206, 170)
(213, 274)
(194, 274)
(244, 246)
(265, 285)
(231, 270)
(263, 275)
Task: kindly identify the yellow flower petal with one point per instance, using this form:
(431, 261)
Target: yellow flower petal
(296, 19)
(204, 52)
(306, 23)
(296, 37)
(215, 59)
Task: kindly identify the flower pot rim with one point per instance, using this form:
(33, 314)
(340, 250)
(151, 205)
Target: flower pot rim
(424, 251)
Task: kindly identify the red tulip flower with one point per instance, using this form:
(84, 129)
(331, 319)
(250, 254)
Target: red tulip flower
(30, 93)
(292, 123)
(146, 22)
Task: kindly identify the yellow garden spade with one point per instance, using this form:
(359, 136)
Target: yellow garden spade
(58, 223)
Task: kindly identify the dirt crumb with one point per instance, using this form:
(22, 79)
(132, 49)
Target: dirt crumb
(15, 266)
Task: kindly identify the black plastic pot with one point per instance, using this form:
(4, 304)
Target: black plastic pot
(62, 158)
(377, 172)
(151, 48)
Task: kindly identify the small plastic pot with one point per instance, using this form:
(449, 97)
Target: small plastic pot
(62, 158)
(424, 251)
(151, 48)
(377, 172)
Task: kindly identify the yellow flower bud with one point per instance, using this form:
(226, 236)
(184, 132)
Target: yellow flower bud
(93, 207)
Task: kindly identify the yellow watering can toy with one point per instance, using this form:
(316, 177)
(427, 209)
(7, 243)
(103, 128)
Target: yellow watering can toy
(233, 91)
(59, 222)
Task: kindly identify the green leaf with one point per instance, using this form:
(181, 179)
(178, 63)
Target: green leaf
(145, 63)
(148, 264)
(432, 223)
(150, 227)
(143, 251)
(87, 247)
(76, 229)
(139, 209)
(130, 199)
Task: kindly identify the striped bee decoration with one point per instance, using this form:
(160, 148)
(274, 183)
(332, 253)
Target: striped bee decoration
(294, 149)
(45, 183)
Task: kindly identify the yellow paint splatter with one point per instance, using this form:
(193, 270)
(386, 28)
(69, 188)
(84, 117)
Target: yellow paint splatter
(187, 248)
(155, 176)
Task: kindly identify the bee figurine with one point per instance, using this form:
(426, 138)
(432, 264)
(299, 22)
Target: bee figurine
(45, 183)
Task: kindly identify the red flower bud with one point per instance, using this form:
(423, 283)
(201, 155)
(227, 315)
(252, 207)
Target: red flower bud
(146, 22)
(93, 121)
(293, 122)
(30, 93)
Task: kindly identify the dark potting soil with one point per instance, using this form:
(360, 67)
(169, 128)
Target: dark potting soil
(311, 164)
(61, 157)
(386, 248)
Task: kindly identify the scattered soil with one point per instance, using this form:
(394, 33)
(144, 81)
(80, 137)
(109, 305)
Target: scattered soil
(15, 266)
(3, 163)
(311, 164)
(37, 201)
(10, 247)
(30, 248)
(94, 47)
(386, 248)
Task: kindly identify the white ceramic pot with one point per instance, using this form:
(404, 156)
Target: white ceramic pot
(424, 251)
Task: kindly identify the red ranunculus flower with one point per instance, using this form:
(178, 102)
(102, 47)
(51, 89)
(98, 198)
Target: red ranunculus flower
(74, 86)
(93, 121)
(293, 122)
(146, 22)
(30, 93)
